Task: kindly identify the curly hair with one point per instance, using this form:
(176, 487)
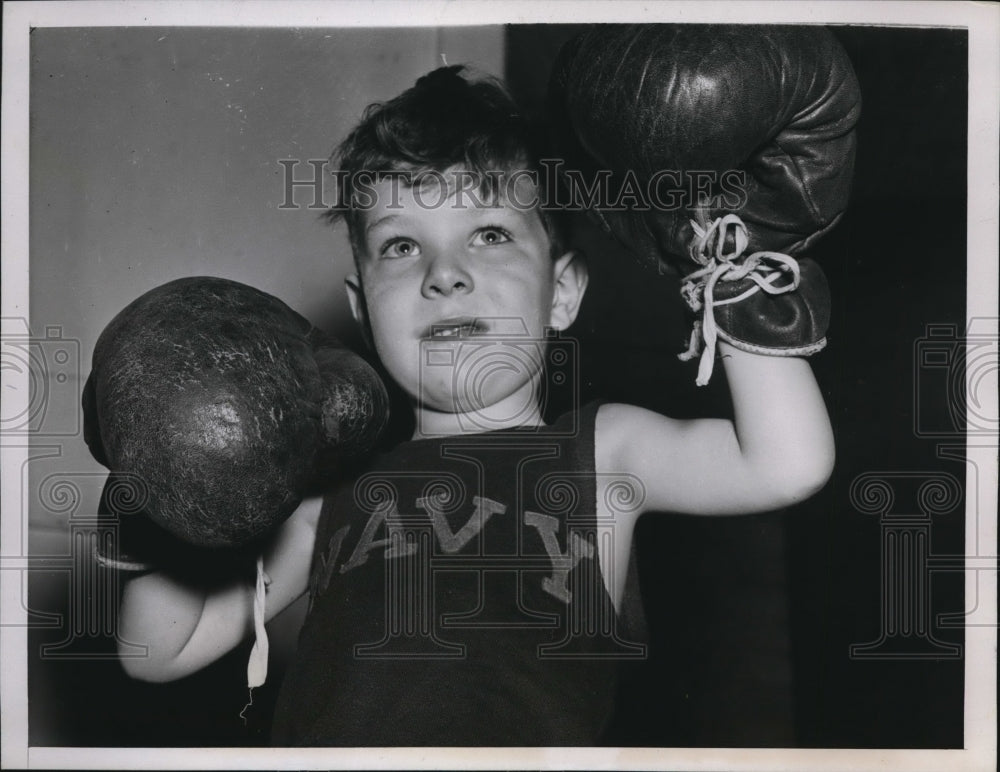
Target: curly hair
(447, 120)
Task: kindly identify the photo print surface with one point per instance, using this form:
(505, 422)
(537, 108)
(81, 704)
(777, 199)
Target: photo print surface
(842, 618)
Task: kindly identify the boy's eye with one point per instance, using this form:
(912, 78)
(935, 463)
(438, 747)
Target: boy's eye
(490, 236)
(401, 248)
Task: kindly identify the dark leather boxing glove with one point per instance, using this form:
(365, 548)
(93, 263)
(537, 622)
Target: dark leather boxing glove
(221, 405)
(696, 123)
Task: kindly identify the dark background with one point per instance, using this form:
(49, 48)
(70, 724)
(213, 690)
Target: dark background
(750, 618)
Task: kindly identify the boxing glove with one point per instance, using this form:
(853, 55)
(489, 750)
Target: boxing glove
(727, 151)
(217, 406)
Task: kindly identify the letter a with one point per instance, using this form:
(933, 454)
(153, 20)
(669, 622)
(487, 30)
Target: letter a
(368, 542)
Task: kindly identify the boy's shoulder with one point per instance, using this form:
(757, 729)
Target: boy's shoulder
(617, 424)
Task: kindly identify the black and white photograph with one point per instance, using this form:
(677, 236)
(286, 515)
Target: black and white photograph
(466, 385)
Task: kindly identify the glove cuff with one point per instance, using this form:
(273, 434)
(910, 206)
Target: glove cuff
(793, 323)
(764, 303)
(127, 539)
(773, 351)
(131, 541)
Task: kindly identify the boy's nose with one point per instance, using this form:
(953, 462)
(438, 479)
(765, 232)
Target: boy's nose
(445, 276)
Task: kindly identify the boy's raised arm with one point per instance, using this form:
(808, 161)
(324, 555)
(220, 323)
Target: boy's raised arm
(777, 451)
(186, 626)
(743, 140)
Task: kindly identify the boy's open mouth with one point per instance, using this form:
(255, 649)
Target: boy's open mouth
(458, 327)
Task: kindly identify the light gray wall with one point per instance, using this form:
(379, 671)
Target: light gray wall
(154, 155)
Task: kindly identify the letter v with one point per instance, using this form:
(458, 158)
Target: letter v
(453, 542)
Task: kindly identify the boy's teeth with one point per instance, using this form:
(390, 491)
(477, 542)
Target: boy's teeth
(454, 331)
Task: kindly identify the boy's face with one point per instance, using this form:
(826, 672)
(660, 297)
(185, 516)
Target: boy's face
(457, 296)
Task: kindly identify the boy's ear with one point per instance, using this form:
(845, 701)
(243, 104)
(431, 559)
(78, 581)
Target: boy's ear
(571, 277)
(359, 309)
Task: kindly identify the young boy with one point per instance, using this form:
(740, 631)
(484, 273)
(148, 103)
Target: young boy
(464, 591)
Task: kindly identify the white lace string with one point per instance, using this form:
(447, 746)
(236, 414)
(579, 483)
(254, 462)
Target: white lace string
(257, 664)
(764, 269)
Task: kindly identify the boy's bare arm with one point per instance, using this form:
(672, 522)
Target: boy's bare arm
(777, 451)
(187, 627)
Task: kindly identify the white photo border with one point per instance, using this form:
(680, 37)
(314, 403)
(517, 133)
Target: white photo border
(983, 23)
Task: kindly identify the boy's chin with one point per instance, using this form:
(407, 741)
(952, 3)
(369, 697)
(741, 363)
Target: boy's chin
(491, 409)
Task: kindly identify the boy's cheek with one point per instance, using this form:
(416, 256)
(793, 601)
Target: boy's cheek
(381, 303)
(381, 277)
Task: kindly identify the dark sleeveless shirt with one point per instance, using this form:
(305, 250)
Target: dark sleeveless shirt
(456, 599)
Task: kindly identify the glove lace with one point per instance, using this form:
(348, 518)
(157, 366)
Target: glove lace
(764, 269)
(257, 664)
